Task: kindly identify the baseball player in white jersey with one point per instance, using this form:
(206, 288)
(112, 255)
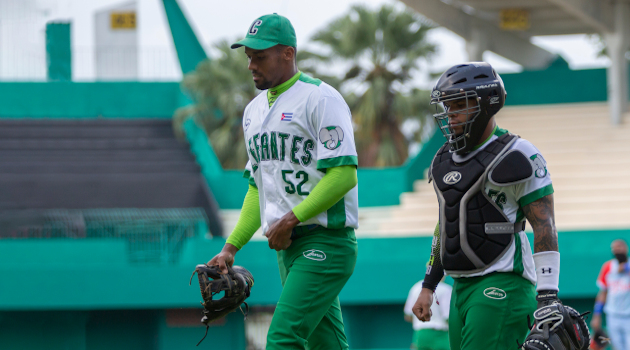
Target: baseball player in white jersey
(488, 181)
(433, 334)
(302, 189)
(614, 297)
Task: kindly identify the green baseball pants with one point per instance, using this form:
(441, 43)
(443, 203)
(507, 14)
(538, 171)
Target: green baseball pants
(490, 312)
(430, 339)
(313, 271)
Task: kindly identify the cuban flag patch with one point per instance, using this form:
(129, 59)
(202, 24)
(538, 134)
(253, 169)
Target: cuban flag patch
(286, 117)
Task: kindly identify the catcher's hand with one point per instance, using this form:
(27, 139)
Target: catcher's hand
(236, 284)
(557, 327)
(422, 307)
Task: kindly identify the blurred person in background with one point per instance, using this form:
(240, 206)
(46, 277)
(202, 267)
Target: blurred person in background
(431, 335)
(614, 297)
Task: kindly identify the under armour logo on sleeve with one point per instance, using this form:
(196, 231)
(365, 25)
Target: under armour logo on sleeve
(548, 270)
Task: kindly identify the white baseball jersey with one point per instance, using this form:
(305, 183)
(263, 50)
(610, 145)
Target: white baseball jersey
(290, 145)
(617, 285)
(439, 313)
(511, 199)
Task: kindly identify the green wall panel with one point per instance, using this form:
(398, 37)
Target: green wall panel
(555, 85)
(225, 334)
(107, 281)
(58, 51)
(89, 100)
(377, 326)
(379, 187)
(121, 329)
(43, 330)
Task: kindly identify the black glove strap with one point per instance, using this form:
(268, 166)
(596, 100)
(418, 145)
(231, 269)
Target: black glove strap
(545, 295)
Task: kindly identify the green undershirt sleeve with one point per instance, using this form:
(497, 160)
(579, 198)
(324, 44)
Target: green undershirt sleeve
(328, 191)
(248, 221)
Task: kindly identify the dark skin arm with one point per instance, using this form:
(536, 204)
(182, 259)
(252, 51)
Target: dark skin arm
(422, 307)
(596, 321)
(224, 258)
(540, 215)
(279, 234)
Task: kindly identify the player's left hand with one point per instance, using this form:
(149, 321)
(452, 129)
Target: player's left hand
(422, 307)
(279, 234)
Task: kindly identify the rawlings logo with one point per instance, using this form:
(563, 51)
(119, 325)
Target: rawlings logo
(452, 177)
(316, 255)
(495, 293)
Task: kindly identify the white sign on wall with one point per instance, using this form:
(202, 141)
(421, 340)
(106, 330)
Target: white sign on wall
(116, 42)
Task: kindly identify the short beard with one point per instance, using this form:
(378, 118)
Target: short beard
(264, 85)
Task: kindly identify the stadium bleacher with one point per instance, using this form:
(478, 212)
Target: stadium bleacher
(86, 170)
(586, 156)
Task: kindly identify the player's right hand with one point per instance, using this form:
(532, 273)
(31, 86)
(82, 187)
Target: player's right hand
(224, 258)
(422, 307)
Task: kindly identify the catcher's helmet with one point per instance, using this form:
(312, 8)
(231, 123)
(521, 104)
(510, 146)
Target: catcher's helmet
(472, 81)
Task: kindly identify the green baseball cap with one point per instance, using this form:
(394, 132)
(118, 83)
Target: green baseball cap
(268, 31)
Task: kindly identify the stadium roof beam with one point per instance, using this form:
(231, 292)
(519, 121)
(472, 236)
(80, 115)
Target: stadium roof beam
(618, 43)
(595, 13)
(482, 35)
(479, 22)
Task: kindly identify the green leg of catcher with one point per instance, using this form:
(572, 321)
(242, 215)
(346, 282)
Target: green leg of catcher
(490, 312)
(313, 270)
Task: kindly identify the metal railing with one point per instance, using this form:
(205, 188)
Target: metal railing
(152, 235)
(27, 62)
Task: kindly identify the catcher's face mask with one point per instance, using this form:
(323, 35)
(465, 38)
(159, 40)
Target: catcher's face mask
(458, 119)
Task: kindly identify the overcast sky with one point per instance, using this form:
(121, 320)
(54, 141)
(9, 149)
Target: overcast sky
(213, 20)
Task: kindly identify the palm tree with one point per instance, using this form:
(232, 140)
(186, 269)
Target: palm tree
(220, 88)
(382, 49)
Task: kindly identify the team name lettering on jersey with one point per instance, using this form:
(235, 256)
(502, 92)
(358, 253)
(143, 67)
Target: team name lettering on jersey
(280, 146)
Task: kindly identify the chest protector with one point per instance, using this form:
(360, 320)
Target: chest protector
(474, 231)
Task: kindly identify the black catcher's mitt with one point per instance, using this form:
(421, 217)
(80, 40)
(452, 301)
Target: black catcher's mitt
(236, 284)
(557, 327)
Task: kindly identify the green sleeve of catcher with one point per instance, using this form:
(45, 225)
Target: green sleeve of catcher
(248, 221)
(328, 191)
(435, 270)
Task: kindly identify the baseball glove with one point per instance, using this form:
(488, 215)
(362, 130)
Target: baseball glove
(600, 340)
(236, 284)
(557, 327)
